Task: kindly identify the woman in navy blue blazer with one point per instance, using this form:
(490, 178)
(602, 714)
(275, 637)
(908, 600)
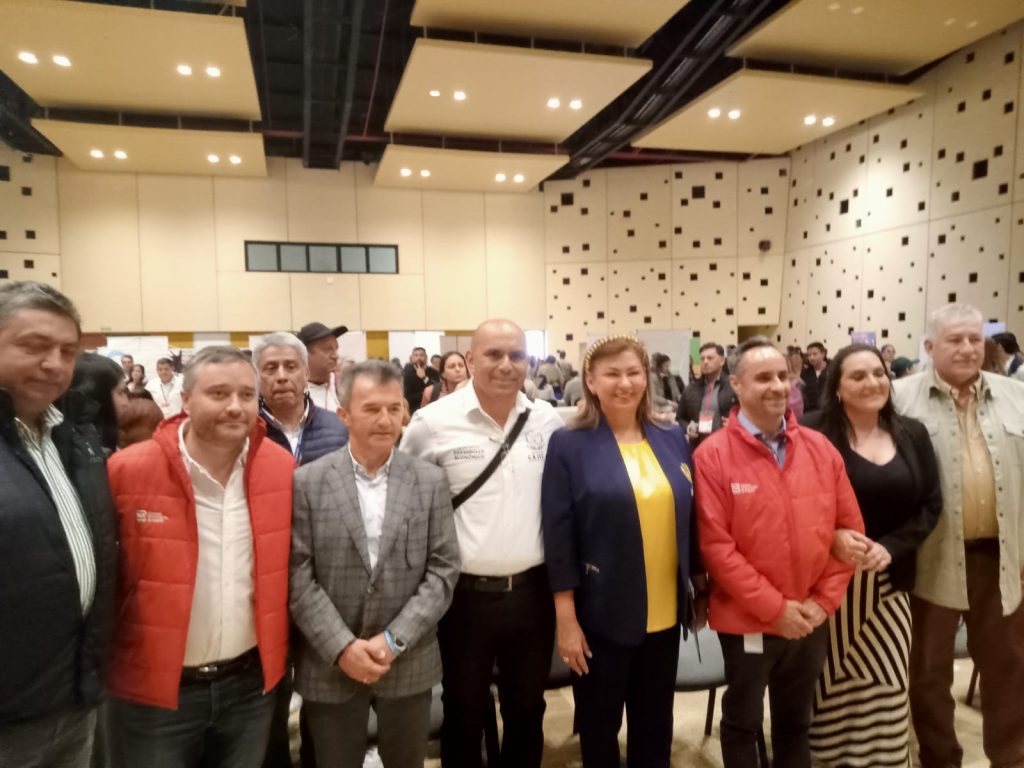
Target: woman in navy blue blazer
(620, 549)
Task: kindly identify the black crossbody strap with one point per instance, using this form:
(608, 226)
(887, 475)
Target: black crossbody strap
(463, 496)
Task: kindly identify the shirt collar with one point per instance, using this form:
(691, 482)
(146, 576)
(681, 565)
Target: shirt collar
(269, 417)
(473, 402)
(190, 462)
(978, 388)
(755, 430)
(49, 418)
(360, 470)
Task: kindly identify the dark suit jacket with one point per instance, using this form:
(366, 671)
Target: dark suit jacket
(335, 596)
(915, 446)
(693, 397)
(592, 539)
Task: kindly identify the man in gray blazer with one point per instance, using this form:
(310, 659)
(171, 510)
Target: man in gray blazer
(373, 565)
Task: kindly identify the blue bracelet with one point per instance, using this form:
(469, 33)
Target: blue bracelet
(390, 640)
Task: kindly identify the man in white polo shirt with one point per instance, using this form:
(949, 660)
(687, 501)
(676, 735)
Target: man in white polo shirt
(166, 388)
(503, 610)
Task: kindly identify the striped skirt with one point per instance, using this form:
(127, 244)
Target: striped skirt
(861, 706)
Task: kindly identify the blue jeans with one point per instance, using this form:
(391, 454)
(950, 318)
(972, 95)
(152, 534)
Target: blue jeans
(218, 724)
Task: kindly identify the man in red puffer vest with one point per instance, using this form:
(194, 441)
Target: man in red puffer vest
(204, 517)
(770, 496)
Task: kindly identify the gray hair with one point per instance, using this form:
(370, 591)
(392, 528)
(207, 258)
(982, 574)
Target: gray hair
(29, 294)
(951, 313)
(381, 371)
(221, 355)
(279, 339)
(736, 355)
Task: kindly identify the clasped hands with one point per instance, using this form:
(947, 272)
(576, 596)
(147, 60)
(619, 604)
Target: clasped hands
(854, 548)
(366, 661)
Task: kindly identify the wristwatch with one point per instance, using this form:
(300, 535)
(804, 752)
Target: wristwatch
(395, 645)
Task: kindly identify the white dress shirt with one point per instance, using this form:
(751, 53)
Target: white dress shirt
(324, 395)
(41, 448)
(499, 528)
(167, 396)
(373, 497)
(222, 623)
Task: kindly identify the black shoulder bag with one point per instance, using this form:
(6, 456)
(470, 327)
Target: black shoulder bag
(463, 496)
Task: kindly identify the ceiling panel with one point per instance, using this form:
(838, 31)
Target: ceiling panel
(156, 150)
(772, 108)
(461, 170)
(892, 36)
(506, 90)
(127, 59)
(611, 22)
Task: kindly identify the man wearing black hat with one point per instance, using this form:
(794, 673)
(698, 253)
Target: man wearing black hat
(322, 344)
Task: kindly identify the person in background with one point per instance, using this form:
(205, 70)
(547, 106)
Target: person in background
(204, 516)
(416, 377)
(814, 375)
(435, 362)
(572, 393)
(101, 381)
(137, 380)
(166, 388)
(551, 372)
(138, 421)
(795, 363)
(970, 565)
(901, 367)
(544, 391)
(565, 367)
(454, 374)
(770, 497)
(57, 548)
(863, 709)
(707, 401)
(373, 566)
(322, 355)
(502, 609)
(127, 361)
(664, 382)
(888, 355)
(1009, 355)
(991, 362)
(620, 549)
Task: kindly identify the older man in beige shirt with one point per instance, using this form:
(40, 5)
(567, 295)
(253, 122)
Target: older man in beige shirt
(970, 565)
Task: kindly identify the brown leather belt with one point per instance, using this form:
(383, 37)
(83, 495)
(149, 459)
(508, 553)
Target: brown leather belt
(220, 669)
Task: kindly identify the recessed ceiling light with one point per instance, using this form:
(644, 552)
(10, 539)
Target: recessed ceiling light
(858, 10)
(518, 178)
(28, 58)
(425, 173)
(213, 158)
(972, 24)
(714, 112)
(435, 93)
(810, 120)
(120, 154)
(949, 22)
(834, 7)
(184, 69)
(61, 61)
(554, 103)
(575, 104)
(734, 114)
(235, 160)
(97, 153)
(828, 122)
(499, 177)
(406, 171)
(213, 71)
(459, 95)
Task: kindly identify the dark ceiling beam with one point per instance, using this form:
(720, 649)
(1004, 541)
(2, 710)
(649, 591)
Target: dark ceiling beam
(355, 36)
(307, 77)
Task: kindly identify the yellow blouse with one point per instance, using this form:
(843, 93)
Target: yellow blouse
(656, 506)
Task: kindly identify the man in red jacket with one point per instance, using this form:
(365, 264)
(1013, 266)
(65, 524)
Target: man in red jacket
(204, 515)
(770, 497)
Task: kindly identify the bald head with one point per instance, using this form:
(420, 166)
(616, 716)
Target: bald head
(497, 359)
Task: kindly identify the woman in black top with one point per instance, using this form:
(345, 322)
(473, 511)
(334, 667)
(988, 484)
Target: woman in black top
(861, 709)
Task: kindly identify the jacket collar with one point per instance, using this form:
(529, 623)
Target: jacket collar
(166, 436)
(74, 406)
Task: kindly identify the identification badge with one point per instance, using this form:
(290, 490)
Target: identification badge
(706, 423)
(753, 643)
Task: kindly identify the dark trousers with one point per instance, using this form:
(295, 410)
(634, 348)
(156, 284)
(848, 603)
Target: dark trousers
(996, 644)
(516, 630)
(61, 740)
(640, 678)
(340, 737)
(789, 669)
(222, 723)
